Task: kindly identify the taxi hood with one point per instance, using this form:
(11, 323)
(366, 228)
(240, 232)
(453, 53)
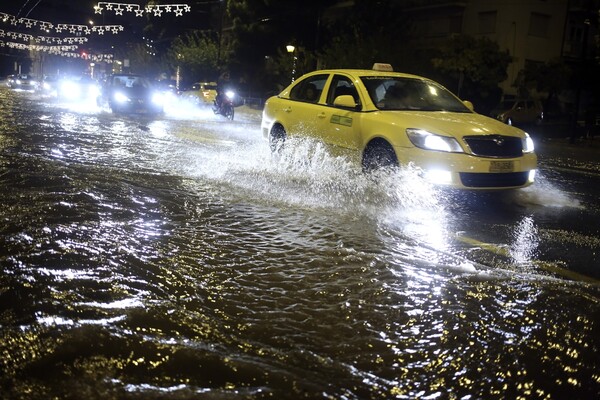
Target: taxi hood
(453, 124)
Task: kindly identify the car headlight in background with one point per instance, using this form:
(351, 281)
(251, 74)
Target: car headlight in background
(120, 97)
(70, 89)
(528, 146)
(430, 141)
(158, 99)
(93, 92)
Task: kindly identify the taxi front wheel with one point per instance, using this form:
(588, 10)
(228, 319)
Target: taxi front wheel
(277, 138)
(378, 155)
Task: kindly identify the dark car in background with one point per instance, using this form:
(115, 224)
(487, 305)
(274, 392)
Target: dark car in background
(514, 111)
(130, 93)
(23, 82)
(77, 88)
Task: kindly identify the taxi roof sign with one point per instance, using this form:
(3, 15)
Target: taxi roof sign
(383, 67)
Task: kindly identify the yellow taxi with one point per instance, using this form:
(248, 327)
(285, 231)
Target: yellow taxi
(387, 119)
(205, 92)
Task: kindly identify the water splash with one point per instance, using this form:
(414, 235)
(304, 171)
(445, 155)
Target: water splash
(544, 193)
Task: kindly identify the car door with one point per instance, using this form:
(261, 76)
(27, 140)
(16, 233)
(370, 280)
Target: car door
(301, 110)
(337, 125)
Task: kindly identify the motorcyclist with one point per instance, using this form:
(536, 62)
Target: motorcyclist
(223, 85)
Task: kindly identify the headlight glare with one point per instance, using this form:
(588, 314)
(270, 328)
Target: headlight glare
(120, 97)
(528, 146)
(430, 141)
(158, 99)
(439, 176)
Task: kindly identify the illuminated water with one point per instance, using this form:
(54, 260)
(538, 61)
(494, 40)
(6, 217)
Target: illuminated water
(175, 258)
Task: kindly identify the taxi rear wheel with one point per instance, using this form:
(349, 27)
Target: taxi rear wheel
(277, 138)
(378, 155)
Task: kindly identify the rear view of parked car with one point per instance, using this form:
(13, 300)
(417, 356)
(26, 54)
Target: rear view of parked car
(519, 112)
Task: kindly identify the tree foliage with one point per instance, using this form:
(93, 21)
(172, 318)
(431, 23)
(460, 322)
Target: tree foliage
(473, 68)
(368, 32)
(199, 55)
(550, 77)
(145, 62)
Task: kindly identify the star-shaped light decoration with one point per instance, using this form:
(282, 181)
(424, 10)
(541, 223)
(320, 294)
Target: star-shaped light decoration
(98, 9)
(178, 11)
(118, 10)
(157, 11)
(139, 12)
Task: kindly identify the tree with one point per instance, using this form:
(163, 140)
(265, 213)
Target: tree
(197, 55)
(475, 67)
(551, 78)
(260, 30)
(368, 32)
(145, 62)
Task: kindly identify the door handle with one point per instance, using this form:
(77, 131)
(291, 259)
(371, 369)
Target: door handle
(321, 115)
(287, 109)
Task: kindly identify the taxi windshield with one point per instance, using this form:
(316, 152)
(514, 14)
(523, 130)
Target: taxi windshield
(397, 93)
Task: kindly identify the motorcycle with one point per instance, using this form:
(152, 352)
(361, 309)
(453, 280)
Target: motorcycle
(224, 104)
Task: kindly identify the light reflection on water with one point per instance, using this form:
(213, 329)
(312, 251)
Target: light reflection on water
(148, 260)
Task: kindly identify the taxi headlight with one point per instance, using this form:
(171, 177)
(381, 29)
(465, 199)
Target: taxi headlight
(528, 146)
(430, 141)
(120, 98)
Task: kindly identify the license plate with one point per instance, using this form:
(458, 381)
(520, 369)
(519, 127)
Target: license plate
(502, 166)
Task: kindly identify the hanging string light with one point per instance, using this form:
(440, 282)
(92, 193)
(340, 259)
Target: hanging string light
(58, 28)
(63, 51)
(42, 39)
(154, 9)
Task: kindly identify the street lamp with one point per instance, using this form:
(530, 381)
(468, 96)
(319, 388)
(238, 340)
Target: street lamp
(291, 49)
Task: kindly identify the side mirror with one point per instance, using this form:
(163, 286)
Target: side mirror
(469, 105)
(345, 101)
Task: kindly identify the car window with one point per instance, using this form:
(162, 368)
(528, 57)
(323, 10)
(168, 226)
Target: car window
(341, 85)
(399, 93)
(309, 89)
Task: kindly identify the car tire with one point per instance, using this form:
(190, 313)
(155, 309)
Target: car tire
(377, 156)
(277, 138)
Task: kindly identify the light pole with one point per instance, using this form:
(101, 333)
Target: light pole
(291, 49)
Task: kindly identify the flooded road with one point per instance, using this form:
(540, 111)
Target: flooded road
(175, 258)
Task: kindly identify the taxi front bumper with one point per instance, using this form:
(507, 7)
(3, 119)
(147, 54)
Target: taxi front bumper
(465, 171)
